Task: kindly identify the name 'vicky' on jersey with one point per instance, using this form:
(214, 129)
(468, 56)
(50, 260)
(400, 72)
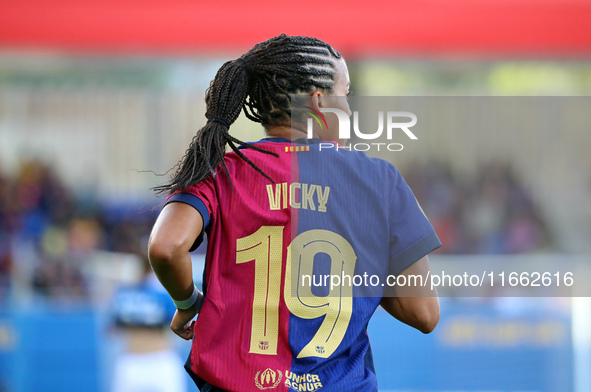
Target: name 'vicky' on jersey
(313, 197)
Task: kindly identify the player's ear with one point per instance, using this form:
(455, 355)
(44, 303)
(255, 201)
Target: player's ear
(316, 100)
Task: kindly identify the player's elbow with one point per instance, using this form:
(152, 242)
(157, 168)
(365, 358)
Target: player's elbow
(428, 324)
(162, 251)
(427, 317)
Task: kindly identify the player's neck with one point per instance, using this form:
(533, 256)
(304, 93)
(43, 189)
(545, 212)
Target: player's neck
(285, 133)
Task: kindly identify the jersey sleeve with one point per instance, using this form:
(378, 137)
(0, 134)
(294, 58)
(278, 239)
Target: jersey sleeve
(411, 234)
(201, 196)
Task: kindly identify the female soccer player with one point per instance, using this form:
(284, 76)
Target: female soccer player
(274, 211)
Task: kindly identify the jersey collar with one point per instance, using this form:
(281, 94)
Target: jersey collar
(284, 140)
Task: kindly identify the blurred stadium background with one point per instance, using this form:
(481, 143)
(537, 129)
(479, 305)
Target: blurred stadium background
(96, 97)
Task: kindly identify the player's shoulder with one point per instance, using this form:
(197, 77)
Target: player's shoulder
(329, 153)
(360, 159)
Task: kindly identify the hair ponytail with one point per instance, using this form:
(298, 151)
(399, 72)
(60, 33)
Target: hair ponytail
(225, 99)
(260, 83)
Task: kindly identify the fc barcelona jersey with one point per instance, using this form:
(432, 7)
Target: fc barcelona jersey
(266, 323)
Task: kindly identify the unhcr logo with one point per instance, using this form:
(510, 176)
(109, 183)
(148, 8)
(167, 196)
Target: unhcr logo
(268, 379)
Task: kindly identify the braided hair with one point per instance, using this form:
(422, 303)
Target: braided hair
(258, 83)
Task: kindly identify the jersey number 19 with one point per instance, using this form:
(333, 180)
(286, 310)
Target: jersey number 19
(265, 247)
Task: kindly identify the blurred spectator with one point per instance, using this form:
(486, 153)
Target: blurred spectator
(492, 214)
(48, 234)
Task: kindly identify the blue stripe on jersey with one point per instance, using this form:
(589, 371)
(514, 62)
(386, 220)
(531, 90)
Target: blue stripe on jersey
(193, 201)
(354, 199)
(199, 205)
(373, 209)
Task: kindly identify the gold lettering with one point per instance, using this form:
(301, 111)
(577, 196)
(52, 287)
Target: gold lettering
(274, 199)
(322, 197)
(285, 193)
(292, 194)
(307, 196)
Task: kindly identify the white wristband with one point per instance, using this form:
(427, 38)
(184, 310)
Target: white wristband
(197, 296)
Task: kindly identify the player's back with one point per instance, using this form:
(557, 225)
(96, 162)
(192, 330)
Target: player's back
(271, 318)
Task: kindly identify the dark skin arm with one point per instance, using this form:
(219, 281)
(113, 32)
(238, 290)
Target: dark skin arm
(415, 306)
(174, 232)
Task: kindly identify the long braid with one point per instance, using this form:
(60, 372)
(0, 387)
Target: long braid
(258, 83)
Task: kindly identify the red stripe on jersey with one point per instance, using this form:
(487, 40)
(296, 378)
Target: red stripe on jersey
(222, 340)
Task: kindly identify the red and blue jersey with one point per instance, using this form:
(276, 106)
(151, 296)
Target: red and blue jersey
(330, 212)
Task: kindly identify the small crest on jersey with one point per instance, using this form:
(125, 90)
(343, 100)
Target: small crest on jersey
(320, 349)
(264, 344)
(268, 379)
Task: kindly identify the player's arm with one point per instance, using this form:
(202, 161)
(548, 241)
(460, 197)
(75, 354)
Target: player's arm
(174, 232)
(416, 306)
